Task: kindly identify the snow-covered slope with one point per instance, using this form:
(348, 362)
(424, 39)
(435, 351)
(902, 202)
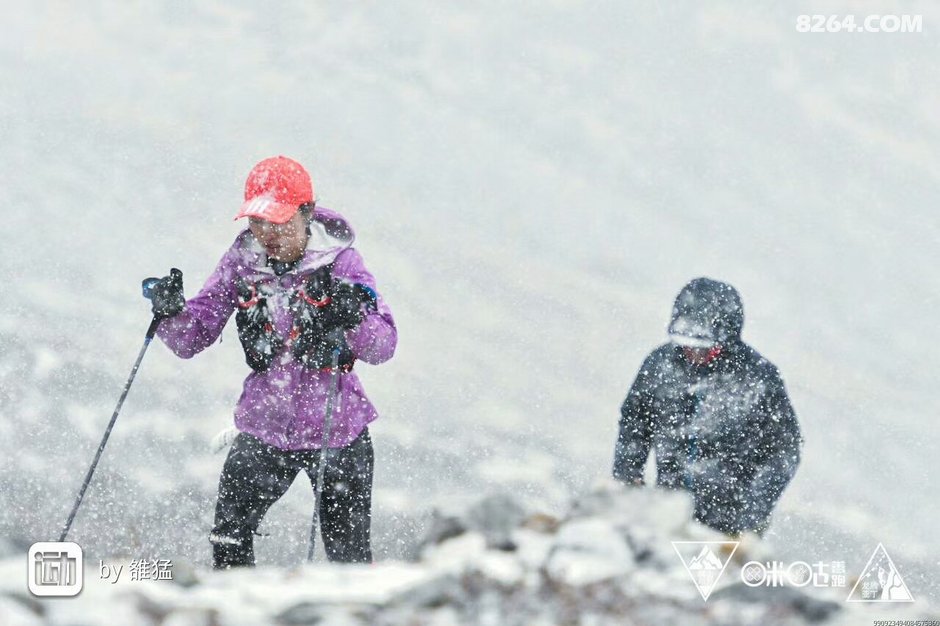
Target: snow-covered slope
(607, 560)
(532, 185)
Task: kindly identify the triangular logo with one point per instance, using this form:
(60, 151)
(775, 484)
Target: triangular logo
(880, 581)
(705, 561)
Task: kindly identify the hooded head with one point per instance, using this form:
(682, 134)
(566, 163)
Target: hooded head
(707, 313)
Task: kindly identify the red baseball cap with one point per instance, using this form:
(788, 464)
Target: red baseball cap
(275, 189)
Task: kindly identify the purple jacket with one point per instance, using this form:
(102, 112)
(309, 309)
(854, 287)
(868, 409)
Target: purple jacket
(285, 405)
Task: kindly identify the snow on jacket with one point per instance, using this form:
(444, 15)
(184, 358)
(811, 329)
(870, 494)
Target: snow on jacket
(725, 431)
(285, 405)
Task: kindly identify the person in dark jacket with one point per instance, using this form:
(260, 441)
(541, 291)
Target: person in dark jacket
(716, 412)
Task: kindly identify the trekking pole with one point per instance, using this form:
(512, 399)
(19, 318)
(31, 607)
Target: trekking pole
(324, 449)
(151, 331)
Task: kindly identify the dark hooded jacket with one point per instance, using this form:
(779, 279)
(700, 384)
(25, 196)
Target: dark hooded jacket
(724, 430)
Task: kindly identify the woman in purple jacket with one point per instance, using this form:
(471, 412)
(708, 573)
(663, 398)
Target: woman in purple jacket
(302, 297)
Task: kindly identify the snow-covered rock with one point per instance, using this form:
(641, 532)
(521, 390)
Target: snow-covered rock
(587, 551)
(608, 560)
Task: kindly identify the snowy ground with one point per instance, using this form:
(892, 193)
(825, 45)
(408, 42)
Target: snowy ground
(532, 185)
(608, 560)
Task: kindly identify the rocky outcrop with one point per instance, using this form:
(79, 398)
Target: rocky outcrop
(608, 560)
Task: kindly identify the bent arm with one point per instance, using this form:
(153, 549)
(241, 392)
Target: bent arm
(636, 429)
(375, 339)
(780, 453)
(202, 320)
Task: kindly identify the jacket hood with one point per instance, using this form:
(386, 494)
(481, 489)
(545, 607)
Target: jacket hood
(707, 312)
(330, 234)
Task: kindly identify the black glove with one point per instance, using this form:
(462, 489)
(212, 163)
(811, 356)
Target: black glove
(314, 343)
(321, 313)
(345, 307)
(166, 295)
(256, 329)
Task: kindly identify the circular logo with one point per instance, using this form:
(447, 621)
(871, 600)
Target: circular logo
(753, 574)
(799, 574)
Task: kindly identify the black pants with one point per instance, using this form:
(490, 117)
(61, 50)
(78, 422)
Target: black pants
(255, 475)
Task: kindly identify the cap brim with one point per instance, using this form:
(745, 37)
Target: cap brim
(267, 210)
(687, 341)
